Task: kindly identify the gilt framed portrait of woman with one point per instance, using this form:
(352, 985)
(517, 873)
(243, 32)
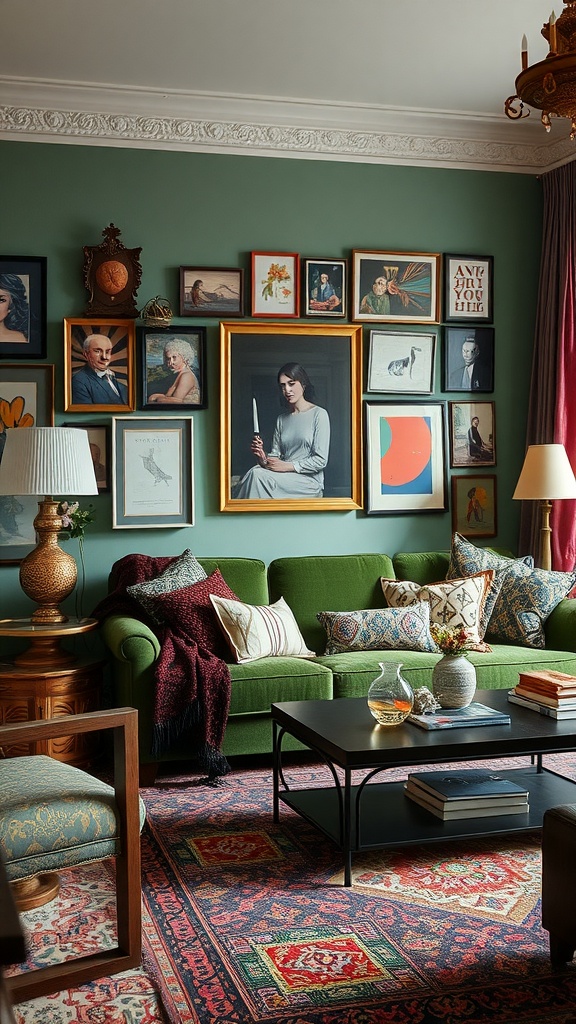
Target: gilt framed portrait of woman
(22, 307)
(290, 417)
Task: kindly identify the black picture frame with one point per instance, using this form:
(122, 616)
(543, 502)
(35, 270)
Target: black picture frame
(472, 434)
(335, 305)
(157, 379)
(468, 288)
(23, 288)
(211, 291)
(482, 376)
(99, 439)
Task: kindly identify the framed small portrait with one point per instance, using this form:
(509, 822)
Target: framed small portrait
(275, 284)
(395, 287)
(26, 400)
(472, 434)
(474, 505)
(405, 461)
(152, 472)
(290, 417)
(469, 359)
(211, 291)
(99, 365)
(173, 362)
(325, 286)
(468, 288)
(22, 307)
(100, 450)
(401, 362)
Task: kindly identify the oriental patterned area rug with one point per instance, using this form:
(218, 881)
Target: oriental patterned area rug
(246, 921)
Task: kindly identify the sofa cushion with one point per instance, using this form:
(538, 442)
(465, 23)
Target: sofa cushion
(260, 631)
(526, 595)
(373, 629)
(190, 610)
(339, 582)
(454, 603)
(182, 572)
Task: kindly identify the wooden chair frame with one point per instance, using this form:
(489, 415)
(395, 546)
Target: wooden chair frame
(128, 952)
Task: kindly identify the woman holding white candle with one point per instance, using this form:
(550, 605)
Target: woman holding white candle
(294, 466)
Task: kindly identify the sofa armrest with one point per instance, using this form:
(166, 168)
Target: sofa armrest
(130, 640)
(560, 627)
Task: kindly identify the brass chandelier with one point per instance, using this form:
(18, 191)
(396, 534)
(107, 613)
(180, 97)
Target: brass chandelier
(550, 85)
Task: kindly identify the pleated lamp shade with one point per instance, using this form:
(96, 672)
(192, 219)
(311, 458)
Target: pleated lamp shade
(47, 461)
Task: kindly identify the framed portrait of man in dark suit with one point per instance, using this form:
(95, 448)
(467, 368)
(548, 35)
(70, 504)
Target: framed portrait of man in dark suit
(469, 359)
(99, 366)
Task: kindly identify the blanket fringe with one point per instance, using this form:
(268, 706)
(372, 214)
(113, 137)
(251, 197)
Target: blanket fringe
(166, 734)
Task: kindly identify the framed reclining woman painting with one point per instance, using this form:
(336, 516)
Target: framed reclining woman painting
(290, 417)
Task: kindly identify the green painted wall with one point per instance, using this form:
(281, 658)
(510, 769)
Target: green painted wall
(193, 208)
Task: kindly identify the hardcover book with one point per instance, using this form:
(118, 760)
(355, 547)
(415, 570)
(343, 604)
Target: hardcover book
(559, 712)
(544, 698)
(466, 784)
(474, 714)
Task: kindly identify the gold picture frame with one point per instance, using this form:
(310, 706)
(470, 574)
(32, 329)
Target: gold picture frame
(92, 395)
(252, 356)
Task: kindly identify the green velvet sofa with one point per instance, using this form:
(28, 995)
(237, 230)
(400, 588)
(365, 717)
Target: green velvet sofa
(311, 584)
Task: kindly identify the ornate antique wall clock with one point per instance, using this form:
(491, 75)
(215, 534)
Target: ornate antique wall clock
(112, 274)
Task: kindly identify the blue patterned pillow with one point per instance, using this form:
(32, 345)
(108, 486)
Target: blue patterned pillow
(378, 629)
(527, 595)
(466, 560)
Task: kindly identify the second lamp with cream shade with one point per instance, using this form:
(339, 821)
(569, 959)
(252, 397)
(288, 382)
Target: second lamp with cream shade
(47, 461)
(546, 476)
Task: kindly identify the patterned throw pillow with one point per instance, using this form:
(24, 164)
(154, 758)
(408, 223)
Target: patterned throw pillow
(260, 631)
(466, 559)
(183, 572)
(379, 629)
(452, 602)
(190, 609)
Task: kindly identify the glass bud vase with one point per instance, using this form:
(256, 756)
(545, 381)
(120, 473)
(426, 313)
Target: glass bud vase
(390, 697)
(454, 681)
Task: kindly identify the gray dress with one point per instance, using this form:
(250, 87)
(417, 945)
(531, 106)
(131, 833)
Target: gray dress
(303, 439)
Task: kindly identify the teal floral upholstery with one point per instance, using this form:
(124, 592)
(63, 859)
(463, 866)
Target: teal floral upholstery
(379, 629)
(54, 816)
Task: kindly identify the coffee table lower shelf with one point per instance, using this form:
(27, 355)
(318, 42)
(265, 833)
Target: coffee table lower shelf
(384, 816)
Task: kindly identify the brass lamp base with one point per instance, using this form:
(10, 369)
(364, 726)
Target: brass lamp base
(48, 574)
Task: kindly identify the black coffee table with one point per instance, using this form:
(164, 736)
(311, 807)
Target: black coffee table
(366, 817)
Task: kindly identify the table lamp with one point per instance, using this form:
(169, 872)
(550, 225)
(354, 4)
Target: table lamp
(47, 461)
(546, 476)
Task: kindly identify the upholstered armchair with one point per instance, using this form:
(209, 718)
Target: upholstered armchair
(559, 881)
(55, 816)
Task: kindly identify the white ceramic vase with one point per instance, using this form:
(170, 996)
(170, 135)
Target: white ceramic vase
(454, 681)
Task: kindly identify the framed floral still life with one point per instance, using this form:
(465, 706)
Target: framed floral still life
(152, 472)
(173, 365)
(401, 362)
(22, 307)
(99, 365)
(405, 462)
(211, 291)
(395, 287)
(472, 434)
(325, 286)
(468, 288)
(26, 400)
(290, 417)
(474, 505)
(275, 284)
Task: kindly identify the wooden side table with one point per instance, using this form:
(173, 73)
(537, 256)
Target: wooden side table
(46, 680)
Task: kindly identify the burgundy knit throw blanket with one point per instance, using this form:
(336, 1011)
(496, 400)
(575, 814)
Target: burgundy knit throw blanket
(192, 691)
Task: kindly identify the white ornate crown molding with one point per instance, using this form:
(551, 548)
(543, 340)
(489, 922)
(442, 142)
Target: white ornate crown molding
(136, 118)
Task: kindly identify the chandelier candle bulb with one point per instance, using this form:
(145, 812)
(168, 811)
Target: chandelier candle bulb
(552, 29)
(524, 54)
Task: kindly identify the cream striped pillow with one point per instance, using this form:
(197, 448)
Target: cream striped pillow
(260, 631)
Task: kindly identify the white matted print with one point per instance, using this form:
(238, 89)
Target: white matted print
(401, 362)
(152, 472)
(405, 466)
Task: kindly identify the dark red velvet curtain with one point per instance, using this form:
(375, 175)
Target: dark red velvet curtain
(552, 402)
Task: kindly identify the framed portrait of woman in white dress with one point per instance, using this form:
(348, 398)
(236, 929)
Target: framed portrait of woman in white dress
(290, 417)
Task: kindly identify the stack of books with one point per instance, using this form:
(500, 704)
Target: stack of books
(548, 692)
(466, 794)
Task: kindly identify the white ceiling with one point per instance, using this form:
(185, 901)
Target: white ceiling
(390, 81)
